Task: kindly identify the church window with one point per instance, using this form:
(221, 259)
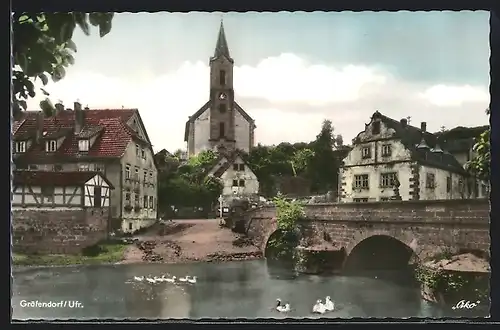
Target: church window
(222, 108)
(222, 77)
(222, 130)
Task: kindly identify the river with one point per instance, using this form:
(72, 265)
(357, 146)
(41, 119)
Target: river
(246, 289)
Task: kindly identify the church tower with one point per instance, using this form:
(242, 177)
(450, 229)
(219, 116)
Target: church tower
(222, 107)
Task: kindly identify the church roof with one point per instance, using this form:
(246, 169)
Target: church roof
(221, 47)
(198, 113)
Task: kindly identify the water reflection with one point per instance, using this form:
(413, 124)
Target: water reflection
(231, 290)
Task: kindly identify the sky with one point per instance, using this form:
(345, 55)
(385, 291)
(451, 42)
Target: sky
(292, 70)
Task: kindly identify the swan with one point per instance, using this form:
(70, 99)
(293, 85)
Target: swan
(283, 309)
(170, 280)
(319, 307)
(329, 305)
(192, 279)
(183, 279)
(151, 280)
(140, 279)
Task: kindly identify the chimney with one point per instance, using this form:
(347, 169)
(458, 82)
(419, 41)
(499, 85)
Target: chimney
(423, 126)
(59, 107)
(39, 126)
(77, 106)
(79, 118)
(404, 122)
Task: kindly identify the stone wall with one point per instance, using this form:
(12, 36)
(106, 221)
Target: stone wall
(424, 226)
(58, 231)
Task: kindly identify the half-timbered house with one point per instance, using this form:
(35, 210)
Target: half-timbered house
(43, 189)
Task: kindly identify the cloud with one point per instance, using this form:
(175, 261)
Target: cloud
(287, 95)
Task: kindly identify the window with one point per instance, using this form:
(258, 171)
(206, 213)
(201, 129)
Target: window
(143, 153)
(51, 146)
(386, 150)
(83, 167)
(137, 150)
(366, 153)
(241, 183)
(136, 174)
(222, 130)
(137, 199)
(430, 181)
(99, 168)
(83, 145)
(127, 199)
(376, 127)
(97, 196)
(151, 181)
(130, 226)
(127, 172)
(151, 202)
(58, 167)
(145, 177)
(47, 193)
(222, 108)
(361, 181)
(384, 199)
(242, 167)
(145, 204)
(236, 167)
(448, 184)
(20, 146)
(222, 77)
(235, 183)
(360, 200)
(388, 179)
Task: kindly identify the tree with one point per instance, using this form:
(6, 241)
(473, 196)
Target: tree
(324, 166)
(43, 48)
(480, 165)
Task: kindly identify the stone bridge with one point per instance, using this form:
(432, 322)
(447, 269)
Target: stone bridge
(426, 227)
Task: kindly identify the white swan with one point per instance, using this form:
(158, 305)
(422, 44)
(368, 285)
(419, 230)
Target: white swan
(329, 305)
(170, 280)
(140, 279)
(283, 309)
(183, 279)
(319, 307)
(192, 279)
(151, 280)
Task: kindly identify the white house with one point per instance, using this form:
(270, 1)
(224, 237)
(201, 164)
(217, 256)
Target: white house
(237, 177)
(60, 190)
(390, 154)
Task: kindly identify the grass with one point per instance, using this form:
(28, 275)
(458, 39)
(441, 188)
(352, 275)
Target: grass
(103, 253)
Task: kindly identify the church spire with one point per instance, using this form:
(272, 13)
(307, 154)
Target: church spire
(221, 47)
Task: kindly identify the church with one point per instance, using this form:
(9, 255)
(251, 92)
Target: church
(222, 125)
(221, 122)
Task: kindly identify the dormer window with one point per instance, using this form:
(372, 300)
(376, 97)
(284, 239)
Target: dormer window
(83, 145)
(20, 146)
(51, 145)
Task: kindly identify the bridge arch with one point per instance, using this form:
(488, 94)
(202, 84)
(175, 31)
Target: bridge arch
(381, 250)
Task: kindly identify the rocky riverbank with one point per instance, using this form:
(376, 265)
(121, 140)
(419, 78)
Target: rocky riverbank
(189, 241)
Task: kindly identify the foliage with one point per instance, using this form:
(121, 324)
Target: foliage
(480, 164)
(283, 243)
(315, 161)
(187, 184)
(43, 47)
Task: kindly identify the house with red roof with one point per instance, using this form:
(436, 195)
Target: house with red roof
(113, 142)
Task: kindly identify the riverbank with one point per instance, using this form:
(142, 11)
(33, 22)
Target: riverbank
(180, 241)
(106, 253)
(184, 241)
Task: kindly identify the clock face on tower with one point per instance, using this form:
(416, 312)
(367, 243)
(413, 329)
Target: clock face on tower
(222, 96)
